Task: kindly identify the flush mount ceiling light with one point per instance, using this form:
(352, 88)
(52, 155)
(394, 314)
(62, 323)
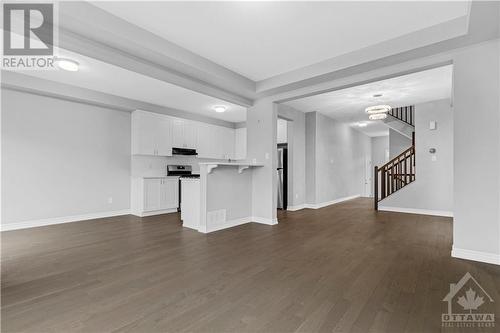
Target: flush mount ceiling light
(67, 64)
(219, 108)
(378, 109)
(377, 116)
(362, 124)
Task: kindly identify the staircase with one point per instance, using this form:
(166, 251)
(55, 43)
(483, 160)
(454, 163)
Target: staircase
(399, 171)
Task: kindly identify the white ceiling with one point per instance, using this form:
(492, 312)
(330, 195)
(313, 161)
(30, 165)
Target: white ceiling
(263, 39)
(104, 77)
(348, 105)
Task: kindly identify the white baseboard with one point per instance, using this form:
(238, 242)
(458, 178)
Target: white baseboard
(228, 224)
(332, 202)
(490, 258)
(264, 220)
(63, 219)
(297, 207)
(416, 211)
(155, 212)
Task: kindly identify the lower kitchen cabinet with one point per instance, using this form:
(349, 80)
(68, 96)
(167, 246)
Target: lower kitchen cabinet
(155, 195)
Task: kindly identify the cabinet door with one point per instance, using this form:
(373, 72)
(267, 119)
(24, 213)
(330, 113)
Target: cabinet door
(205, 139)
(178, 133)
(228, 143)
(190, 134)
(163, 136)
(170, 193)
(143, 134)
(152, 194)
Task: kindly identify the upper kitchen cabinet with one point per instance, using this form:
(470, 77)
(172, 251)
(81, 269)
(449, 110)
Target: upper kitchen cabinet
(215, 142)
(207, 145)
(227, 142)
(151, 134)
(184, 133)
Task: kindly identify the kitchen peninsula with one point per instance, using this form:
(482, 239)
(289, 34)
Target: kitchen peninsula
(222, 195)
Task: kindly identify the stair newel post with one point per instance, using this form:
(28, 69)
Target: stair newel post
(375, 191)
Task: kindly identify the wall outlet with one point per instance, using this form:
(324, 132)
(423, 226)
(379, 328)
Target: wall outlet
(110, 200)
(296, 195)
(433, 158)
(267, 156)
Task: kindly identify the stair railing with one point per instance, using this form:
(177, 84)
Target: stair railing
(394, 175)
(405, 114)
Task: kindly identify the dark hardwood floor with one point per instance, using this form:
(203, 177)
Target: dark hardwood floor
(343, 268)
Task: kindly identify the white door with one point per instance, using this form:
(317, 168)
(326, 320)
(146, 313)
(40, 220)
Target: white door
(152, 194)
(368, 177)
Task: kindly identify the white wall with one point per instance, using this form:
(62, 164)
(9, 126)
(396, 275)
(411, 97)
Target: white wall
(476, 128)
(433, 186)
(282, 130)
(62, 158)
(397, 143)
(261, 146)
(340, 155)
(380, 150)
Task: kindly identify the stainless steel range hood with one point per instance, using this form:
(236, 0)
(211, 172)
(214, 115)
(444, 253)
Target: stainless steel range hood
(183, 151)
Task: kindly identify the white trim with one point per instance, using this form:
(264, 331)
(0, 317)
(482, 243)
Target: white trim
(444, 213)
(264, 220)
(63, 219)
(155, 212)
(332, 202)
(487, 257)
(297, 207)
(228, 224)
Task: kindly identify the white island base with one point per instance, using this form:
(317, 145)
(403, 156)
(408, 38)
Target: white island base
(221, 198)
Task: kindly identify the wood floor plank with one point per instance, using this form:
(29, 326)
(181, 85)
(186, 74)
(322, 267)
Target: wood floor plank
(342, 268)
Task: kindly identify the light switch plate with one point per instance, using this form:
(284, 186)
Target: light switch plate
(432, 125)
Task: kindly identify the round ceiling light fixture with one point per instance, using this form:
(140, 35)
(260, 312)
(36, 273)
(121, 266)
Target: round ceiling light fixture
(362, 124)
(220, 108)
(377, 116)
(67, 64)
(378, 109)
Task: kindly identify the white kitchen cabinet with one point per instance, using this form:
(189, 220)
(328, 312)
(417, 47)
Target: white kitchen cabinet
(155, 195)
(151, 194)
(240, 143)
(227, 143)
(169, 197)
(184, 133)
(206, 141)
(151, 134)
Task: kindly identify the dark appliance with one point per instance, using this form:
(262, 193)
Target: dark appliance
(184, 151)
(183, 171)
(282, 175)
